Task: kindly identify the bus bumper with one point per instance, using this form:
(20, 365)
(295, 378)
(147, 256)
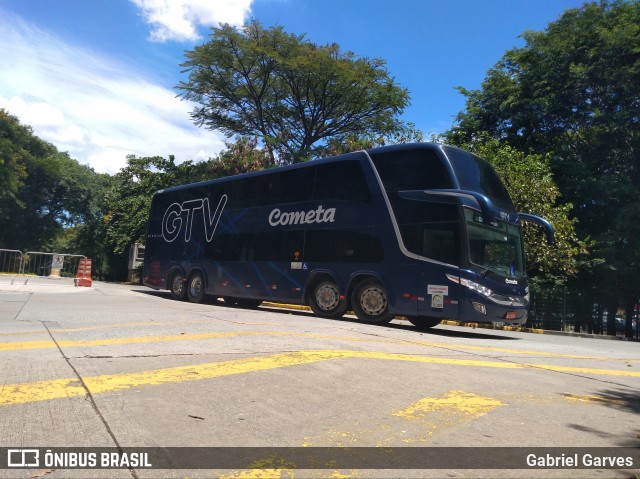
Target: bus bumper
(487, 312)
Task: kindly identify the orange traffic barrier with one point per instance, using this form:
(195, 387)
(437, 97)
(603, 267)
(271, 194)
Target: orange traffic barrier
(83, 275)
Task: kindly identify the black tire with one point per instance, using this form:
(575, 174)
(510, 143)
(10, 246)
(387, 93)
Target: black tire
(195, 288)
(177, 286)
(370, 302)
(423, 323)
(325, 300)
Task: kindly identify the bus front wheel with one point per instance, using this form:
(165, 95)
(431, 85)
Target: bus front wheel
(195, 288)
(325, 300)
(424, 323)
(178, 288)
(371, 303)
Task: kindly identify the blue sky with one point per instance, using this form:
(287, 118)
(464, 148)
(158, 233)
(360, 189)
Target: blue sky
(96, 77)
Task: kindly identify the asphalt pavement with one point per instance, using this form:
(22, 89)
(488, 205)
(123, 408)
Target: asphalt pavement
(125, 368)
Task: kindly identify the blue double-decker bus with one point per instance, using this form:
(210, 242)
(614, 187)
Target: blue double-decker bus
(424, 231)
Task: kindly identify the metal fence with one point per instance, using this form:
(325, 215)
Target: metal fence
(566, 309)
(38, 263)
(10, 261)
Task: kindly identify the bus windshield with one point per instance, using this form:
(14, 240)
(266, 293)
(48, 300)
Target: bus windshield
(497, 249)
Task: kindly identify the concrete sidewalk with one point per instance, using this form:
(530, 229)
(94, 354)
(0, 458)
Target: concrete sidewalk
(21, 280)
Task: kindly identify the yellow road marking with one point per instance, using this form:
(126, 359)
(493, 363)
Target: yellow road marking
(272, 467)
(461, 402)
(89, 328)
(59, 388)
(451, 409)
(48, 344)
(68, 343)
(468, 405)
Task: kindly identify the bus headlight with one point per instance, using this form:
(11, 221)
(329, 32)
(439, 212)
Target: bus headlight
(496, 298)
(472, 285)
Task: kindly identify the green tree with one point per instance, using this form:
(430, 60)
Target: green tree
(129, 199)
(530, 184)
(403, 133)
(13, 139)
(42, 190)
(572, 92)
(242, 156)
(291, 93)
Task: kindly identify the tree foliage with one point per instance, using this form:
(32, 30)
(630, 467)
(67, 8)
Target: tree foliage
(572, 93)
(132, 189)
(530, 184)
(13, 149)
(403, 133)
(41, 189)
(291, 93)
(241, 156)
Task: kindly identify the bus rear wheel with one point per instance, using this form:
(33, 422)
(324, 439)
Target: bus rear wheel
(195, 288)
(370, 302)
(424, 323)
(325, 300)
(177, 287)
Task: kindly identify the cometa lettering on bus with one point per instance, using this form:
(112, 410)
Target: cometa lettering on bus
(277, 217)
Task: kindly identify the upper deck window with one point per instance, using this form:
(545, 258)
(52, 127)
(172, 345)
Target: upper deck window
(475, 174)
(341, 180)
(418, 169)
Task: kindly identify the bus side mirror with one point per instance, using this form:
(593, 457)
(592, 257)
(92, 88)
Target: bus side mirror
(485, 204)
(548, 228)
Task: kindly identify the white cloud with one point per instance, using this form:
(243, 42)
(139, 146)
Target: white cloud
(179, 19)
(91, 106)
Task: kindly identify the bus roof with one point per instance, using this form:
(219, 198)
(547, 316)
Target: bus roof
(346, 156)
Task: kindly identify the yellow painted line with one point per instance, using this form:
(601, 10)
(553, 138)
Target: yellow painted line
(451, 409)
(461, 402)
(137, 323)
(90, 328)
(46, 344)
(272, 467)
(70, 343)
(59, 388)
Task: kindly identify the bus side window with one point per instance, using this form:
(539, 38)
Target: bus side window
(342, 180)
(292, 186)
(337, 246)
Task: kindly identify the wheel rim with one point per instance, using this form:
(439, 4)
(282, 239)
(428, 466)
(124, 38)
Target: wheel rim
(327, 297)
(195, 286)
(373, 301)
(177, 285)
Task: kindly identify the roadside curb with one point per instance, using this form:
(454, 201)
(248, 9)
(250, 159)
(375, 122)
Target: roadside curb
(517, 329)
(548, 332)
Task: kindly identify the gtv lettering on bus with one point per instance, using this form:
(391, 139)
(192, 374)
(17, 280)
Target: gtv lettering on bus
(320, 215)
(179, 215)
